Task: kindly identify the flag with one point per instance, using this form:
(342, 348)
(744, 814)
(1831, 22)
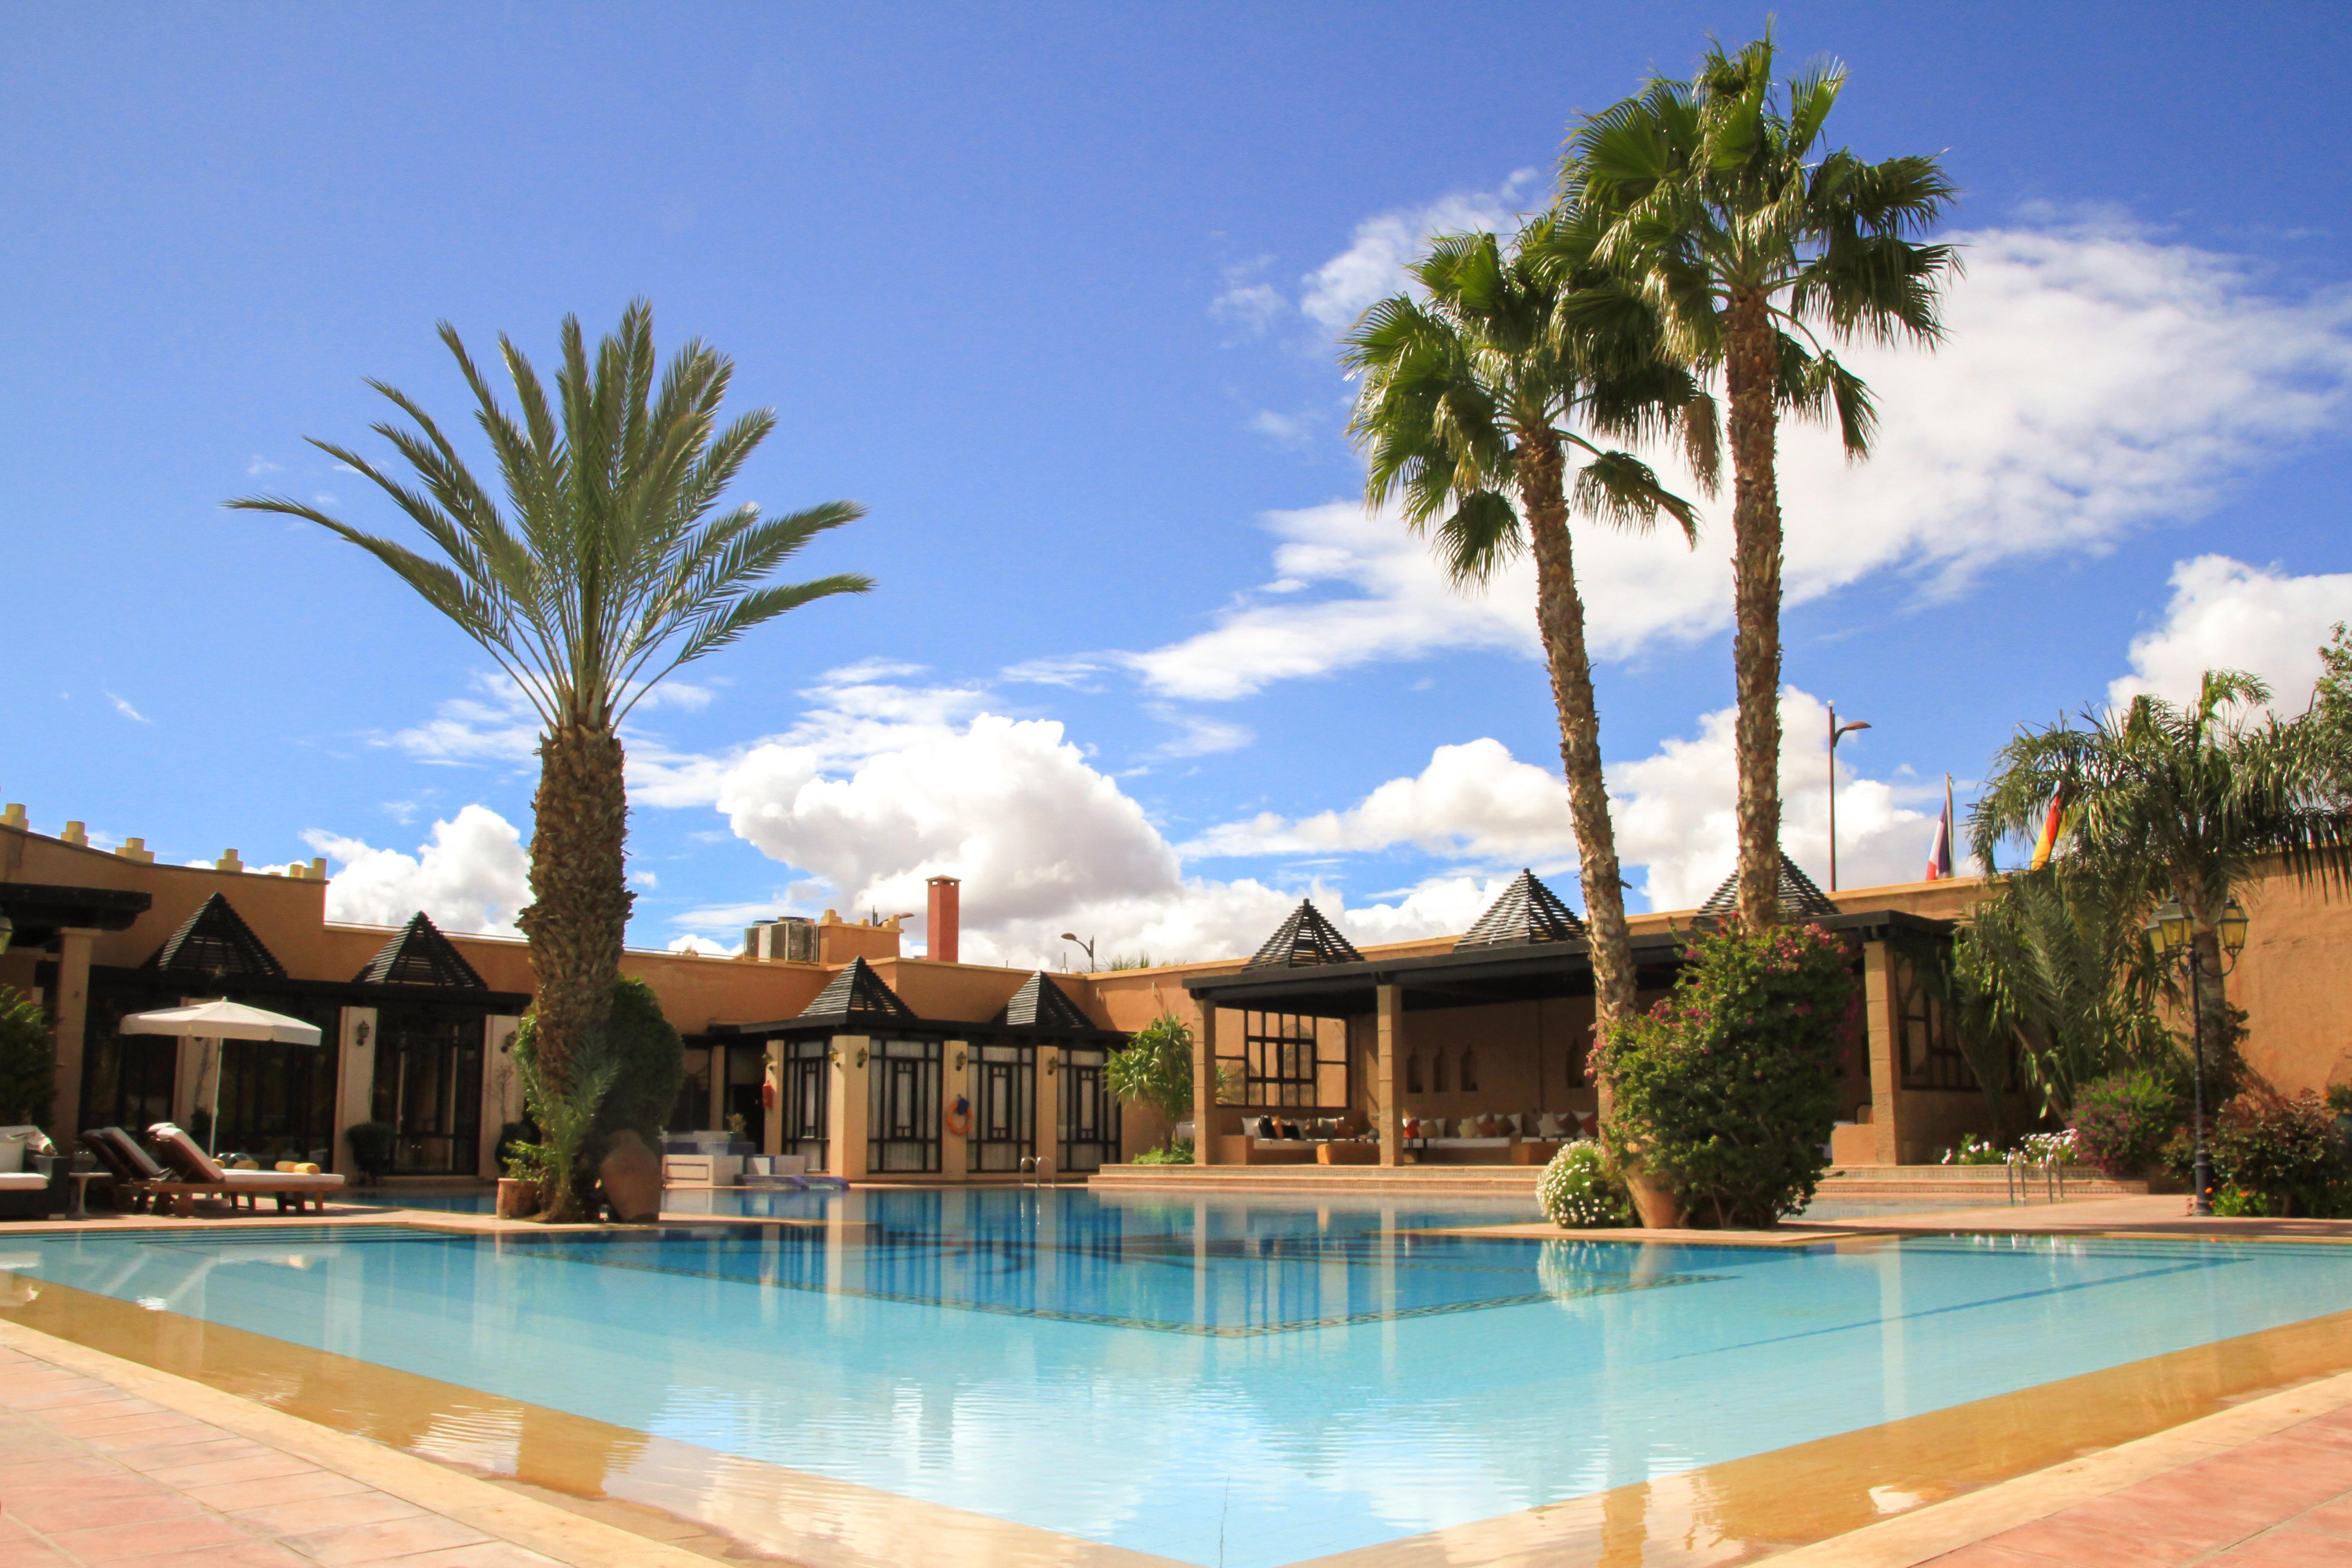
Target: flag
(1939, 851)
(2047, 844)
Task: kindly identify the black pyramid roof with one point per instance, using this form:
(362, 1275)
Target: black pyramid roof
(1800, 898)
(217, 940)
(857, 994)
(1304, 941)
(1042, 1004)
(420, 955)
(1528, 912)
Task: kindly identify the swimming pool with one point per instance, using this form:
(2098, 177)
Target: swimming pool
(1253, 1380)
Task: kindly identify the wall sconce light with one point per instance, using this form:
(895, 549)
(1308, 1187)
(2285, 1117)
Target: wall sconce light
(360, 1034)
(1052, 1065)
(861, 1056)
(959, 1061)
(506, 1045)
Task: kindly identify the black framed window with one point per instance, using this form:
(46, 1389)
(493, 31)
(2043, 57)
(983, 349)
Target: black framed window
(1286, 1058)
(692, 1111)
(1003, 1088)
(807, 1101)
(428, 1086)
(903, 1106)
(1930, 1055)
(1089, 1111)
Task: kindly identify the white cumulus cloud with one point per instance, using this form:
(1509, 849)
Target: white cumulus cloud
(2095, 381)
(471, 876)
(1474, 800)
(1373, 264)
(2226, 615)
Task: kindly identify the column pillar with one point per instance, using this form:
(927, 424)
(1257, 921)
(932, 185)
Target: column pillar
(69, 1015)
(1885, 1053)
(955, 1084)
(1387, 1002)
(1047, 1123)
(355, 1080)
(849, 1113)
(771, 1122)
(501, 1087)
(714, 1106)
(1204, 1086)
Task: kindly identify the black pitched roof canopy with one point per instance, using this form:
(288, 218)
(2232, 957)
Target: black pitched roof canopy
(1042, 1004)
(857, 996)
(1528, 912)
(420, 955)
(1800, 898)
(1304, 941)
(217, 940)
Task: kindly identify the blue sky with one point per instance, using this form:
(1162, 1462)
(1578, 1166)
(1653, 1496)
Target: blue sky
(1053, 293)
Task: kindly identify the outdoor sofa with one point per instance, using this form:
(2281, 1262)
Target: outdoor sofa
(26, 1193)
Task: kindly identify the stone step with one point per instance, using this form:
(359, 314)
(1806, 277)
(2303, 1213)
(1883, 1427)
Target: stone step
(1499, 1180)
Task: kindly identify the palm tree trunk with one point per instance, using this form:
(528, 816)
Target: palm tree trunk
(580, 899)
(1752, 375)
(1559, 615)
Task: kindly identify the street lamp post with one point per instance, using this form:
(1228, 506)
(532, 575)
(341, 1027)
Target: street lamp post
(1837, 732)
(1088, 943)
(2175, 936)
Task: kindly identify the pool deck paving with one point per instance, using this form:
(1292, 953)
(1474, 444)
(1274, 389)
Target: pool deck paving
(104, 1460)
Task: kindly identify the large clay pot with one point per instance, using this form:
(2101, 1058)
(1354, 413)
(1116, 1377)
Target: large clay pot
(519, 1200)
(631, 1176)
(1655, 1203)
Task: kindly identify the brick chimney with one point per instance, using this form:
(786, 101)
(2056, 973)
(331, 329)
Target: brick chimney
(943, 923)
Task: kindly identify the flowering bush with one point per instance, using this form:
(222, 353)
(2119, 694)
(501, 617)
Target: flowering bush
(2123, 1120)
(2281, 1155)
(2041, 1149)
(1580, 1190)
(1974, 1151)
(1725, 1091)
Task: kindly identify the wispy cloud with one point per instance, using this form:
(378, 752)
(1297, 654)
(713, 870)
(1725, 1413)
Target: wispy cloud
(127, 711)
(261, 466)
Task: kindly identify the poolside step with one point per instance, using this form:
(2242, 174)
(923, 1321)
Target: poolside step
(1991, 1181)
(1497, 1180)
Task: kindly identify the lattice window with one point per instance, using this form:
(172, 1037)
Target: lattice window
(1924, 1041)
(1287, 1060)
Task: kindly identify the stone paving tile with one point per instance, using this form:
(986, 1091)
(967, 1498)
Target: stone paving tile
(347, 1546)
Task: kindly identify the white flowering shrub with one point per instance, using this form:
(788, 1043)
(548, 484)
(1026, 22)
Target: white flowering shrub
(1579, 1191)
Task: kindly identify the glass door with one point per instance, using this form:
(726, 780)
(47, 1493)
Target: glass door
(428, 1087)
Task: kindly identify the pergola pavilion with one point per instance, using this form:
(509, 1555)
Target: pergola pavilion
(1310, 1027)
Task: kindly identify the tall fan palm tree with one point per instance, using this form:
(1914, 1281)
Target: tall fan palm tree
(2186, 802)
(1469, 415)
(613, 567)
(1717, 203)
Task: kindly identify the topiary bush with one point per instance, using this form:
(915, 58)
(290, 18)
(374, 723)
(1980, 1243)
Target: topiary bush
(1727, 1090)
(2281, 1154)
(1580, 1190)
(2122, 1121)
(647, 1059)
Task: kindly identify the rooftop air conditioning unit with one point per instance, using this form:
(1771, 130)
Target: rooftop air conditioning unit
(788, 939)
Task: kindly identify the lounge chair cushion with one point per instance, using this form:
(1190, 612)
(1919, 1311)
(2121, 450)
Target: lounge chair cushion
(282, 1181)
(120, 1153)
(181, 1152)
(22, 1181)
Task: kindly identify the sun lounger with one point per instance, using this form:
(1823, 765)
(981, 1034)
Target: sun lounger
(195, 1171)
(136, 1174)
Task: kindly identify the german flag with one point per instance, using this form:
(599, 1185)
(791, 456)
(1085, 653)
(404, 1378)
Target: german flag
(2047, 843)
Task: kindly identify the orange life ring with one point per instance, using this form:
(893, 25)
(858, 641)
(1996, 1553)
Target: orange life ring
(959, 1119)
(768, 1094)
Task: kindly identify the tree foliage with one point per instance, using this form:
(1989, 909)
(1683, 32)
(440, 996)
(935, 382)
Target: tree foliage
(28, 1062)
(1155, 1070)
(1719, 204)
(1725, 1091)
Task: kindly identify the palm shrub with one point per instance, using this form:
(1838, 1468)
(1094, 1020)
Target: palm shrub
(1480, 399)
(29, 1061)
(610, 566)
(1580, 1190)
(1155, 1069)
(1719, 204)
(2122, 1121)
(647, 1063)
(2189, 801)
(1726, 1090)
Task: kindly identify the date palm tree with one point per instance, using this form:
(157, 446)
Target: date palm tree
(2189, 803)
(1469, 416)
(610, 566)
(1718, 204)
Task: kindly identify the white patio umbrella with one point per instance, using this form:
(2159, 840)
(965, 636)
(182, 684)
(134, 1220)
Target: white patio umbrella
(222, 1020)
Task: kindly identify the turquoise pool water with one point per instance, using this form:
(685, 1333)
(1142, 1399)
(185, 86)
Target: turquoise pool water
(1273, 1378)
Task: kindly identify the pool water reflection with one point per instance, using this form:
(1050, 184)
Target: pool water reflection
(1271, 1378)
